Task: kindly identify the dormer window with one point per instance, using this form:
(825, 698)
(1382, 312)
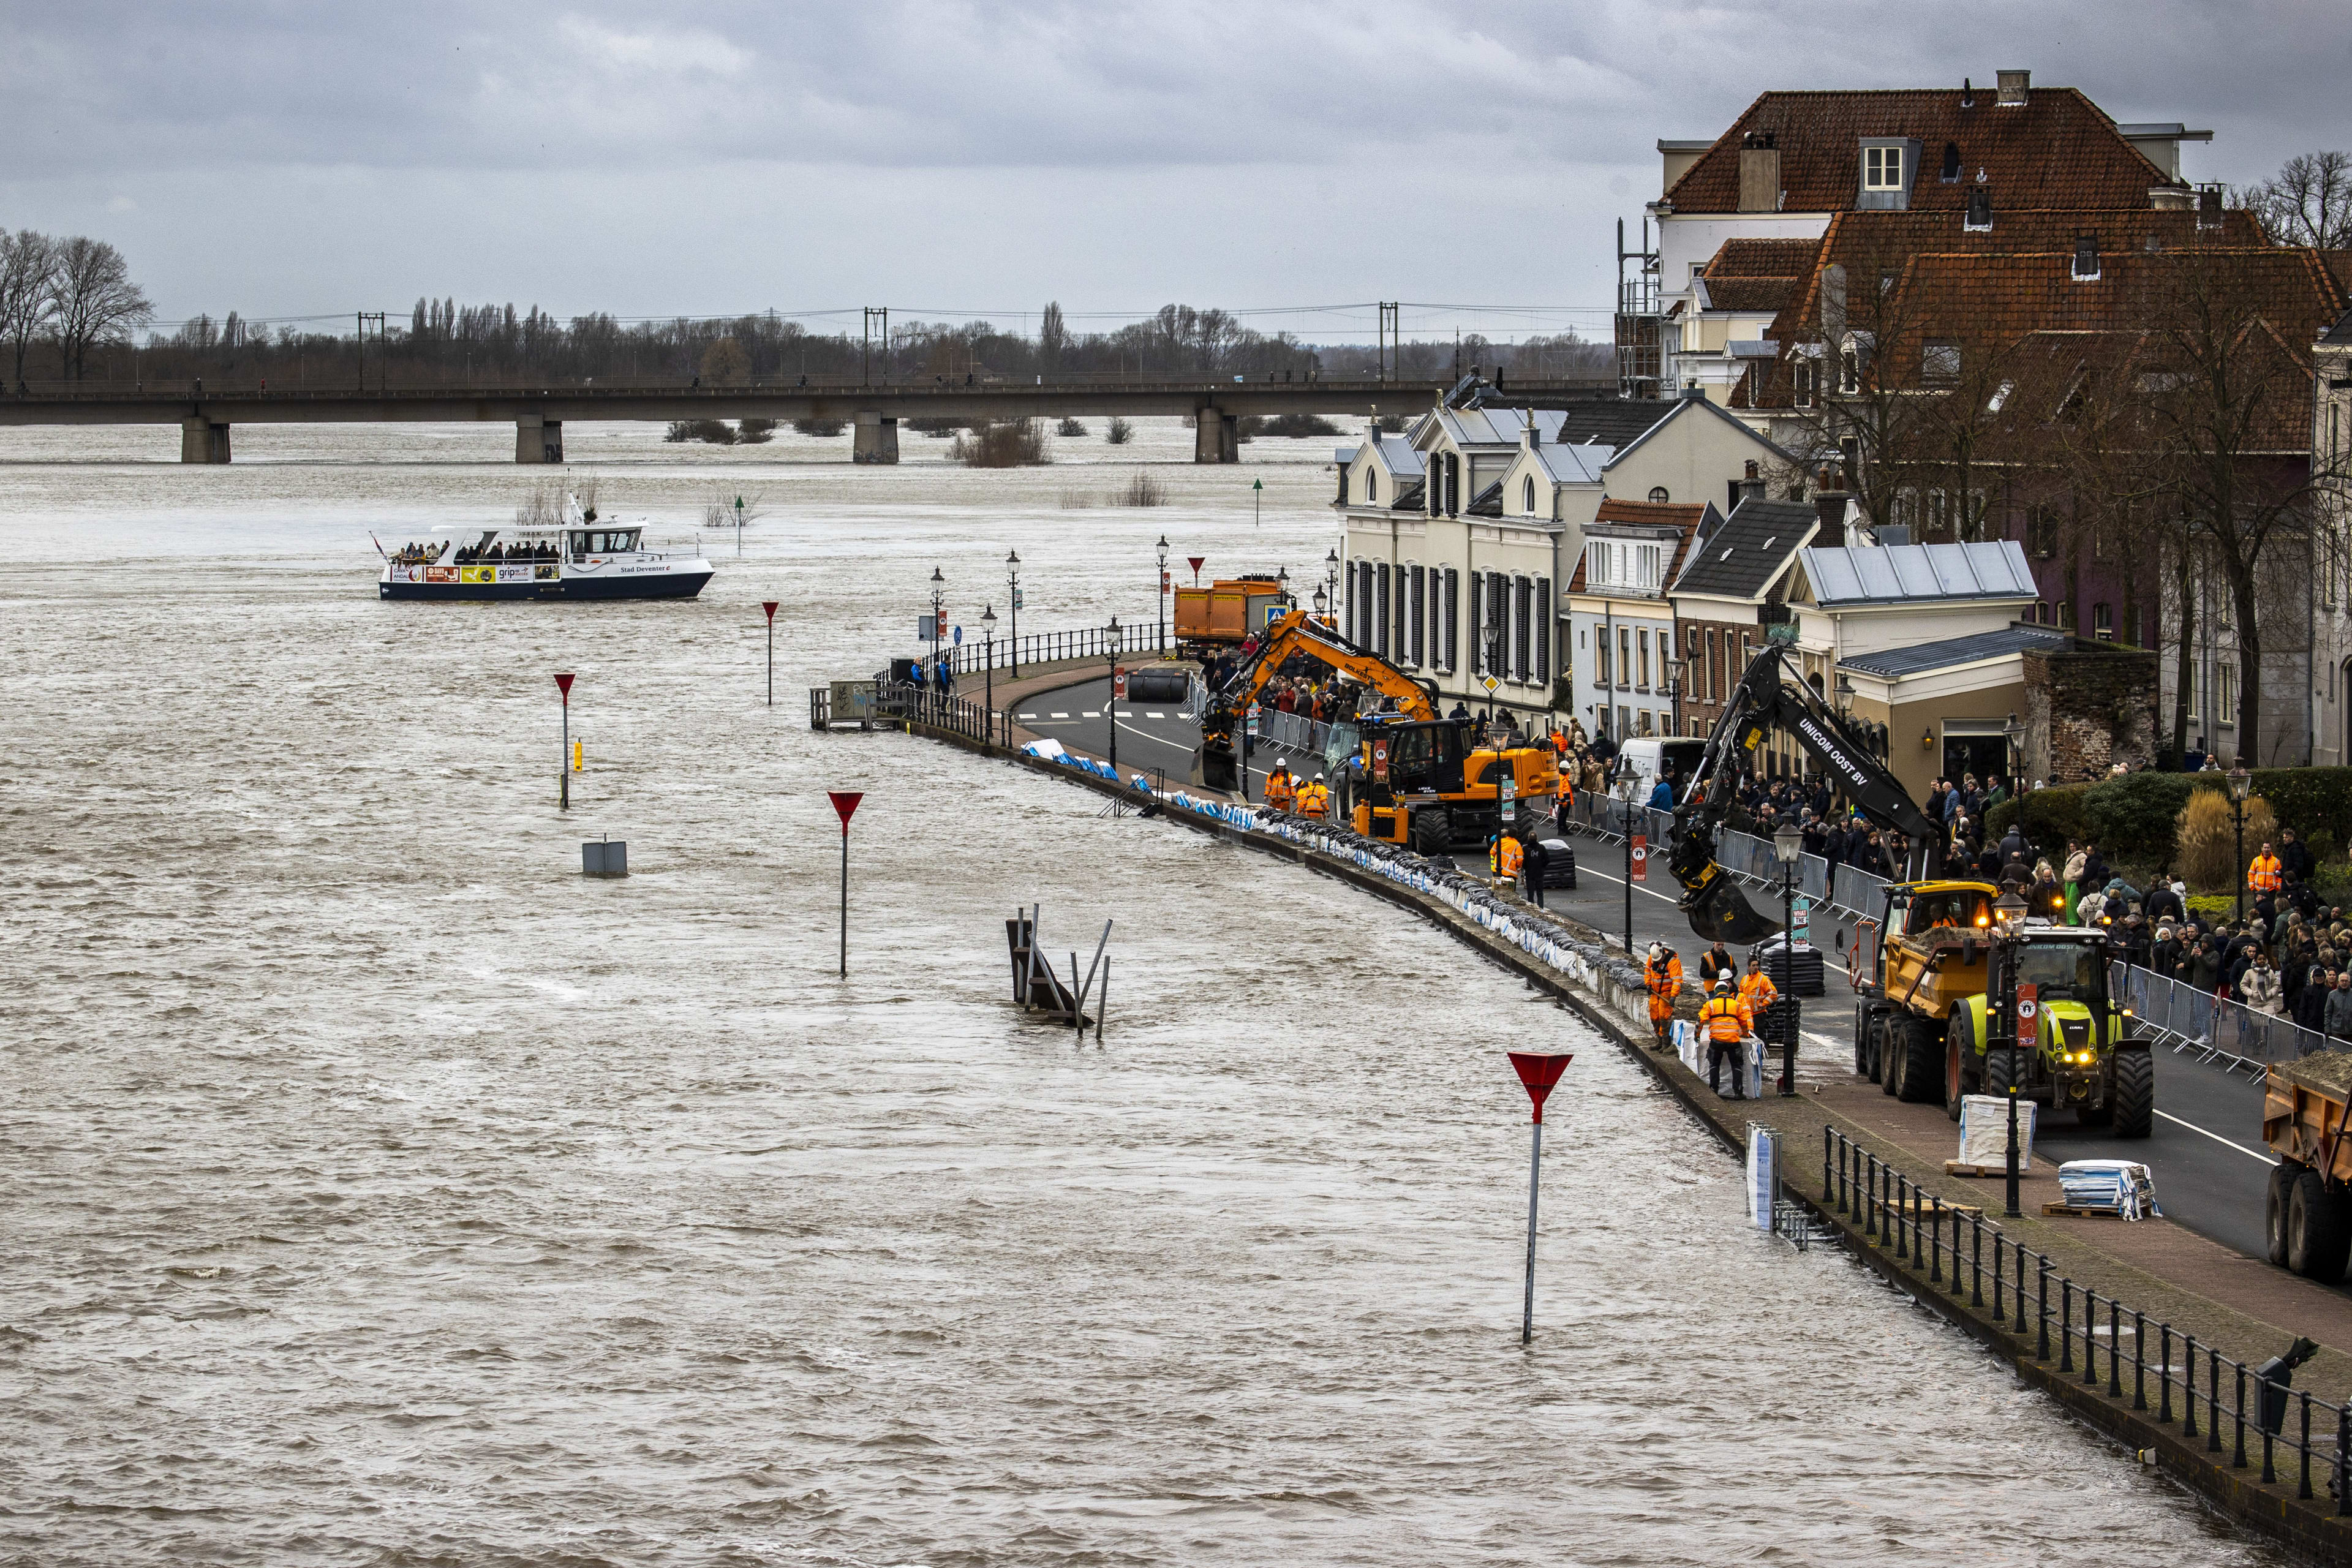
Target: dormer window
(1882, 168)
(2086, 258)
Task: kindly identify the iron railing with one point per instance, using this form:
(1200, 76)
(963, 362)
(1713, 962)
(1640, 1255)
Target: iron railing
(1950, 1242)
(1053, 648)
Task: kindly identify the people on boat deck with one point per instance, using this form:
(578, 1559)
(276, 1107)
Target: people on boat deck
(471, 555)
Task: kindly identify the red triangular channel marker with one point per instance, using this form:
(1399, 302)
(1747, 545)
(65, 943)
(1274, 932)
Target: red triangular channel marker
(1539, 1073)
(1196, 561)
(563, 684)
(769, 606)
(845, 801)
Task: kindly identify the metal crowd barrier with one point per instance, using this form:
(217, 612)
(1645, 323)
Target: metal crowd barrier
(1924, 1233)
(1855, 893)
(2214, 1027)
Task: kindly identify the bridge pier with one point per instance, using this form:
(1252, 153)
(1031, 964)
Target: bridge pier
(876, 440)
(202, 441)
(539, 439)
(1216, 436)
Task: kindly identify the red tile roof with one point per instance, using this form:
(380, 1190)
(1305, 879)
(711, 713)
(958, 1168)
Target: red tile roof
(1683, 517)
(2057, 149)
(1763, 259)
(1774, 294)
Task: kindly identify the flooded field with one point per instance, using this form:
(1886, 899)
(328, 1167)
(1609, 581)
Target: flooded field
(382, 1192)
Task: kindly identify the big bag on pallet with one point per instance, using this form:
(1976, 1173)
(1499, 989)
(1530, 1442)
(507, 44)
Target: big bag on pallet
(1984, 1131)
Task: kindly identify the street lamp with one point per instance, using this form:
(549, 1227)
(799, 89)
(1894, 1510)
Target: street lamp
(2014, 733)
(939, 653)
(1013, 647)
(988, 637)
(2240, 780)
(1110, 706)
(1675, 667)
(2009, 909)
(1494, 637)
(1626, 800)
(1322, 604)
(1331, 575)
(1160, 593)
(1788, 844)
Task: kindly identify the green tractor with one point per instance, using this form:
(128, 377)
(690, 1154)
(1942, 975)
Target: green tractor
(2080, 1054)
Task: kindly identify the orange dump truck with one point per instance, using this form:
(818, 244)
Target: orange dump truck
(1227, 611)
(2308, 1220)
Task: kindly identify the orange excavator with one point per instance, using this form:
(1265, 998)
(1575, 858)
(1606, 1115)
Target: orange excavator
(1422, 780)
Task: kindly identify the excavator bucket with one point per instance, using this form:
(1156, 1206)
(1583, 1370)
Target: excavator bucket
(1719, 912)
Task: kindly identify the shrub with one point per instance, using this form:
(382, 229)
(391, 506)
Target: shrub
(717, 432)
(1296, 425)
(1070, 427)
(1119, 432)
(2135, 812)
(2052, 816)
(2305, 799)
(818, 427)
(755, 432)
(679, 430)
(2214, 908)
(1012, 444)
(2205, 840)
(1142, 489)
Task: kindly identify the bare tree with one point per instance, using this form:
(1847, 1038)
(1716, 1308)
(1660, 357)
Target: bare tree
(94, 300)
(29, 269)
(2307, 202)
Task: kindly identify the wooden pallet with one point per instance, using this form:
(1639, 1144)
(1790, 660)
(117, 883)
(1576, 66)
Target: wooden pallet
(2073, 1213)
(1964, 1168)
(1919, 1209)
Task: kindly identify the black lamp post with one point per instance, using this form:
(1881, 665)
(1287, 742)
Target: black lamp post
(2014, 733)
(1110, 701)
(988, 682)
(1675, 667)
(1494, 639)
(1625, 798)
(1331, 575)
(2009, 909)
(1787, 844)
(1012, 575)
(1322, 604)
(938, 684)
(2240, 780)
(1160, 593)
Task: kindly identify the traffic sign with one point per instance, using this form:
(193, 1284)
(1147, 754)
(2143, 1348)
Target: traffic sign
(1641, 857)
(845, 804)
(958, 637)
(563, 684)
(1489, 682)
(2029, 1007)
(1380, 759)
(1119, 684)
(769, 606)
(1539, 1073)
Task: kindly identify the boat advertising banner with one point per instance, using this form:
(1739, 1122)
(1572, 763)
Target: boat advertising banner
(547, 572)
(405, 574)
(477, 573)
(441, 574)
(517, 572)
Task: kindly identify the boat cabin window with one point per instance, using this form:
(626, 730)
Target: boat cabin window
(600, 542)
(1961, 911)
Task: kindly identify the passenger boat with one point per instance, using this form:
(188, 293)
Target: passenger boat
(582, 559)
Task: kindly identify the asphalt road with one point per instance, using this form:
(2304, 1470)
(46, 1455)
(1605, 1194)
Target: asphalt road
(2206, 1153)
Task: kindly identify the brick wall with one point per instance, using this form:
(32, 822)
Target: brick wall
(2087, 709)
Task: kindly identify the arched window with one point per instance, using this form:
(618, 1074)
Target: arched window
(1527, 495)
(1371, 486)
(1658, 493)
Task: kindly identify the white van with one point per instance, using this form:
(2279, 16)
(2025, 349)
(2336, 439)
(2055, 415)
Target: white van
(1641, 758)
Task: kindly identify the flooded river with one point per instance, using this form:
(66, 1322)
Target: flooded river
(380, 1192)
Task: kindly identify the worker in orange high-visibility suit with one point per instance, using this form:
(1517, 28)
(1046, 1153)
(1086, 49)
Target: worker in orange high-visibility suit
(1758, 991)
(1509, 856)
(1663, 973)
(1279, 792)
(1728, 1023)
(1314, 799)
(2265, 874)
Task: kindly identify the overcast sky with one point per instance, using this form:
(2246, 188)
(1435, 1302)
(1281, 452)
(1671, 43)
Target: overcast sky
(287, 159)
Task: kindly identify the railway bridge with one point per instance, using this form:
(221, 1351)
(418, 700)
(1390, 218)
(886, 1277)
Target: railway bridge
(539, 412)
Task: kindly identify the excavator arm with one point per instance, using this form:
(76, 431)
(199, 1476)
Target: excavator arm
(1765, 700)
(1298, 632)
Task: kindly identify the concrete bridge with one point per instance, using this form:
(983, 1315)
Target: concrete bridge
(206, 415)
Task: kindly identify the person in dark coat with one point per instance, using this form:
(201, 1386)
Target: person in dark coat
(2294, 855)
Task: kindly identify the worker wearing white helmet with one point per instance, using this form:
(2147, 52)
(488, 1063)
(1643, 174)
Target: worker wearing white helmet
(1281, 791)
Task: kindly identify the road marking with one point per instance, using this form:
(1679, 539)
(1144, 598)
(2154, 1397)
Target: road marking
(1061, 715)
(1151, 715)
(1093, 713)
(1028, 715)
(2217, 1137)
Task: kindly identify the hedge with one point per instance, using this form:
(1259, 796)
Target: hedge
(2132, 814)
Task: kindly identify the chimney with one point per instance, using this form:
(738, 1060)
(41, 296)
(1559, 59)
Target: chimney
(1830, 510)
(2209, 207)
(2014, 87)
(1759, 174)
(1979, 215)
(1968, 94)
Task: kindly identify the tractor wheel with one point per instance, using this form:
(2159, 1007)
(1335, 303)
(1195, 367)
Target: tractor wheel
(2135, 1099)
(2318, 1241)
(1960, 1056)
(1996, 1073)
(1431, 831)
(1885, 1060)
(1921, 1043)
(1862, 1039)
(2274, 1207)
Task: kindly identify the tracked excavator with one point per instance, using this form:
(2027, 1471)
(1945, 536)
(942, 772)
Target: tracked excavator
(1923, 1028)
(1426, 783)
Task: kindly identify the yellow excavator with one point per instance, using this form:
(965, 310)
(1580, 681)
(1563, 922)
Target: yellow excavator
(1425, 780)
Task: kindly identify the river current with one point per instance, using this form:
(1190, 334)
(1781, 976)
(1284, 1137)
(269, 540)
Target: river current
(380, 1192)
